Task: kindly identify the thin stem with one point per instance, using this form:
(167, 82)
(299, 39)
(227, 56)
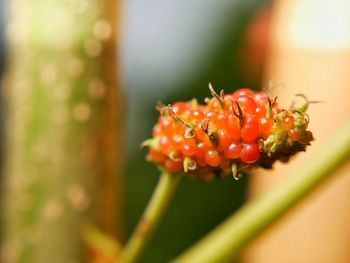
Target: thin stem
(151, 217)
(226, 241)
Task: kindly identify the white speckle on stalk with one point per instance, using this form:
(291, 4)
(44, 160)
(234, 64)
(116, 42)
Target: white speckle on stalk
(78, 197)
(81, 112)
(10, 250)
(90, 151)
(53, 210)
(81, 6)
(64, 42)
(102, 29)
(48, 74)
(93, 47)
(62, 92)
(63, 16)
(96, 89)
(75, 67)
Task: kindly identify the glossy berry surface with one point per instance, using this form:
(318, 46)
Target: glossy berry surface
(243, 129)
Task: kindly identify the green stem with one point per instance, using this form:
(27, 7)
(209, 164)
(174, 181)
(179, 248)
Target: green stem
(227, 240)
(151, 217)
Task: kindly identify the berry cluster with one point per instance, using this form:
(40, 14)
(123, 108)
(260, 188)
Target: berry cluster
(229, 133)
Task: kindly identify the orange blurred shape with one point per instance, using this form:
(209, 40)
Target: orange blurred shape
(256, 45)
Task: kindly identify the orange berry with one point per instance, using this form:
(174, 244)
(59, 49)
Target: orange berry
(156, 131)
(242, 92)
(247, 104)
(287, 122)
(157, 157)
(224, 138)
(232, 151)
(213, 158)
(165, 144)
(188, 147)
(294, 135)
(265, 125)
(233, 127)
(166, 124)
(250, 129)
(173, 166)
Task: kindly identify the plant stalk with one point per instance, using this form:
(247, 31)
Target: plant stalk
(156, 207)
(62, 153)
(227, 240)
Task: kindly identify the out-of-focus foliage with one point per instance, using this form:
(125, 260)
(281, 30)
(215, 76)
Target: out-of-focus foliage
(2, 58)
(2, 53)
(170, 51)
(1, 28)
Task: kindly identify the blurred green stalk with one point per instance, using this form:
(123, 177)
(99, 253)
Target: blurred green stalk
(150, 219)
(62, 153)
(227, 240)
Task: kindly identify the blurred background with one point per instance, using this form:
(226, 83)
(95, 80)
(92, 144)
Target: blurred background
(165, 51)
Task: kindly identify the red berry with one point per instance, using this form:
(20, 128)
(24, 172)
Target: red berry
(197, 116)
(211, 114)
(219, 120)
(233, 127)
(157, 157)
(250, 129)
(213, 158)
(260, 111)
(180, 107)
(166, 124)
(173, 166)
(242, 92)
(263, 102)
(287, 122)
(233, 151)
(228, 99)
(247, 104)
(177, 141)
(165, 144)
(214, 105)
(200, 154)
(201, 149)
(250, 153)
(189, 147)
(203, 137)
(201, 161)
(259, 95)
(294, 135)
(156, 131)
(265, 127)
(224, 138)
